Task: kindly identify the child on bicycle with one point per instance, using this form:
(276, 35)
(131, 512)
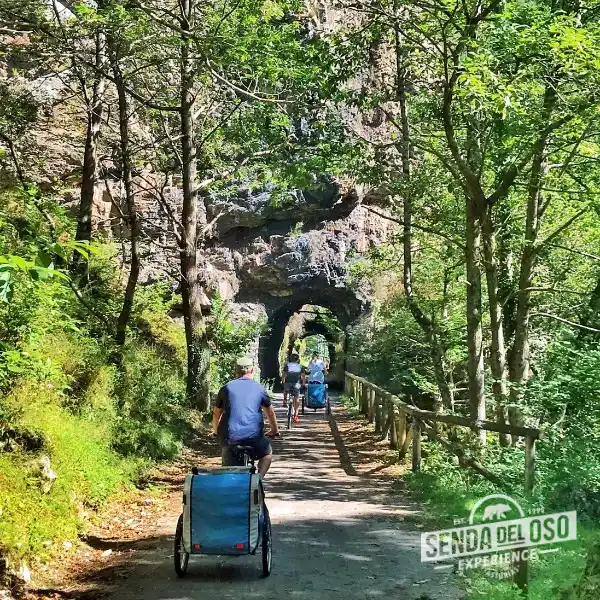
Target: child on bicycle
(292, 379)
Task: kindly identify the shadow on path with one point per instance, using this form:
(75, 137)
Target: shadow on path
(337, 535)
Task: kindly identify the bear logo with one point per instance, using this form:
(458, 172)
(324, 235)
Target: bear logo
(496, 511)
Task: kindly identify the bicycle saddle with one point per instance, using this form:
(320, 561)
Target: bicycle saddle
(237, 448)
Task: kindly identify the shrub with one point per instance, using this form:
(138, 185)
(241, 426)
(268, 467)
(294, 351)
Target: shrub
(152, 415)
(88, 472)
(564, 395)
(228, 340)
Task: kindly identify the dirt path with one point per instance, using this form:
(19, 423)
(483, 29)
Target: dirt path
(338, 534)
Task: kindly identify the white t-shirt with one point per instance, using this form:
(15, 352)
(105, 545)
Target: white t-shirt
(316, 370)
(292, 372)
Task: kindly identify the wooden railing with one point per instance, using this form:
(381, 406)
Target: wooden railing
(403, 424)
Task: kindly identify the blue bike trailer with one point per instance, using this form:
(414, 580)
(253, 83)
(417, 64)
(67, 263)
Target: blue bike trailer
(316, 397)
(222, 511)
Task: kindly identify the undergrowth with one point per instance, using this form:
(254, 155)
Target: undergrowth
(98, 424)
(445, 492)
(72, 408)
(79, 420)
(34, 520)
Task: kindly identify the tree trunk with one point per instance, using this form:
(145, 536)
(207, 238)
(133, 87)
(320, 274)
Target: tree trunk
(497, 348)
(90, 156)
(474, 327)
(590, 315)
(519, 365)
(426, 324)
(126, 175)
(198, 356)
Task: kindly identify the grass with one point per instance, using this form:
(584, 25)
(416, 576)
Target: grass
(100, 426)
(445, 491)
(32, 522)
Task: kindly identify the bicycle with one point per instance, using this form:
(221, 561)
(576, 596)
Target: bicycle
(290, 405)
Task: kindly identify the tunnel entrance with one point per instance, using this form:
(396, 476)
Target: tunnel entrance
(306, 328)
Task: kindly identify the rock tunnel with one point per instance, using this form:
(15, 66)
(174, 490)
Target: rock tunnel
(273, 262)
(340, 305)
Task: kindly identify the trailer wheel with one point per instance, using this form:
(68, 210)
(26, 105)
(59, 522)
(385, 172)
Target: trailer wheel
(181, 557)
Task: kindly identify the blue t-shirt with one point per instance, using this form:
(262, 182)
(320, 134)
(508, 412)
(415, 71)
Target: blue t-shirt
(241, 401)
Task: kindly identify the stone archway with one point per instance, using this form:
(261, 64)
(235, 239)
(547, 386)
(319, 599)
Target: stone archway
(270, 263)
(341, 302)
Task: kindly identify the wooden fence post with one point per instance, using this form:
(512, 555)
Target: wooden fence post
(387, 418)
(377, 406)
(515, 417)
(401, 427)
(393, 425)
(529, 465)
(361, 393)
(384, 417)
(371, 402)
(404, 448)
(416, 449)
(521, 576)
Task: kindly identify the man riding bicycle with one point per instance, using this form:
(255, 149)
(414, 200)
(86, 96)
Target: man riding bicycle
(292, 379)
(238, 418)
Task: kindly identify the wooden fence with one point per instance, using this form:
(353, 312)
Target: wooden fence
(391, 417)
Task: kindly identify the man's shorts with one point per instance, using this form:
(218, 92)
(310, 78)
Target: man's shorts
(292, 388)
(261, 447)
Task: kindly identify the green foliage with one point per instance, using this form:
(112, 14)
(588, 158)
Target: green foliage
(447, 492)
(154, 325)
(98, 424)
(152, 417)
(564, 395)
(88, 472)
(311, 344)
(62, 393)
(228, 341)
(390, 350)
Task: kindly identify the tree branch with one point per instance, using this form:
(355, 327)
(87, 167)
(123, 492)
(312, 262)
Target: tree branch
(565, 321)
(423, 228)
(580, 252)
(27, 186)
(563, 227)
(245, 93)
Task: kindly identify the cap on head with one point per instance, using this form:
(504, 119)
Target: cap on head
(244, 362)
(294, 356)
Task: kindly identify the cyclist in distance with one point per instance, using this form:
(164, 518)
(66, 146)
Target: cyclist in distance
(292, 379)
(317, 369)
(238, 418)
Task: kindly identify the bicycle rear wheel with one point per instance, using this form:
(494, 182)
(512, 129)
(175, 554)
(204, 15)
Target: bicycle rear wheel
(290, 410)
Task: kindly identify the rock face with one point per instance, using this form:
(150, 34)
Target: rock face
(272, 261)
(264, 254)
(299, 253)
(269, 259)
